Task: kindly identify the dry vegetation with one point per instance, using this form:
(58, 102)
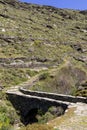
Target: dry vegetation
(38, 37)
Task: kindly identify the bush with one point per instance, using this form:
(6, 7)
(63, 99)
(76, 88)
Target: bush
(56, 111)
(44, 76)
(46, 117)
(4, 122)
(8, 116)
(5, 127)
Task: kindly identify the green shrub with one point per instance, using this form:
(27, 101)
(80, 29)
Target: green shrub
(31, 73)
(46, 117)
(44, 76)
(4, 121)
(8, 115)
(4, 127)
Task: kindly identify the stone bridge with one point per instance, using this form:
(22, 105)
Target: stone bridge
(28, 102)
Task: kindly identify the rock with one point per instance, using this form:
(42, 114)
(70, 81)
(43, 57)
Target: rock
(3, 30)
(80, 88)
(84, 50)
(84, 30)
(77, 47)
(84, 84)
(49, 26)
(1, 87)
(84, 12)
(82, 59)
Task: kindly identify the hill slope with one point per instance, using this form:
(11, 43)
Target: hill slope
(44, 41)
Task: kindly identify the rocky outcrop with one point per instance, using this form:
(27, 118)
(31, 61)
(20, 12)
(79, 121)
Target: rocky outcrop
(84, 12)
(11, 39)
(82, 58)
(77, 47)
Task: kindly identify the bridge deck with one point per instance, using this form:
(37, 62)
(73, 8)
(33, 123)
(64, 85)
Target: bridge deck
(19, 93)
(52, 97)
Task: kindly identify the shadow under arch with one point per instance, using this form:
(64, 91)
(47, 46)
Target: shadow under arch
(31, 116)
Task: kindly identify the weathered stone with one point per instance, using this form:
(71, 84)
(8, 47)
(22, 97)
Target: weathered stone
(77, 47)
(84, 12)
(1, 87)
(82, 59)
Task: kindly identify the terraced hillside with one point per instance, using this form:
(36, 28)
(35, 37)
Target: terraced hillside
(42, 36)
(45, 42)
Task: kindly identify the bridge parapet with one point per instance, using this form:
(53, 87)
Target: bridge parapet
(61, 97)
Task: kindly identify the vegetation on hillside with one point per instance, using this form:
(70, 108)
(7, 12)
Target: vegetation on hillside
(33, 38)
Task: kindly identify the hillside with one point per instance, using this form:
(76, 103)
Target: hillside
(42, 41)
(41, 36)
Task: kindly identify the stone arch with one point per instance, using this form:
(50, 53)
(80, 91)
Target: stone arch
(31, 116)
